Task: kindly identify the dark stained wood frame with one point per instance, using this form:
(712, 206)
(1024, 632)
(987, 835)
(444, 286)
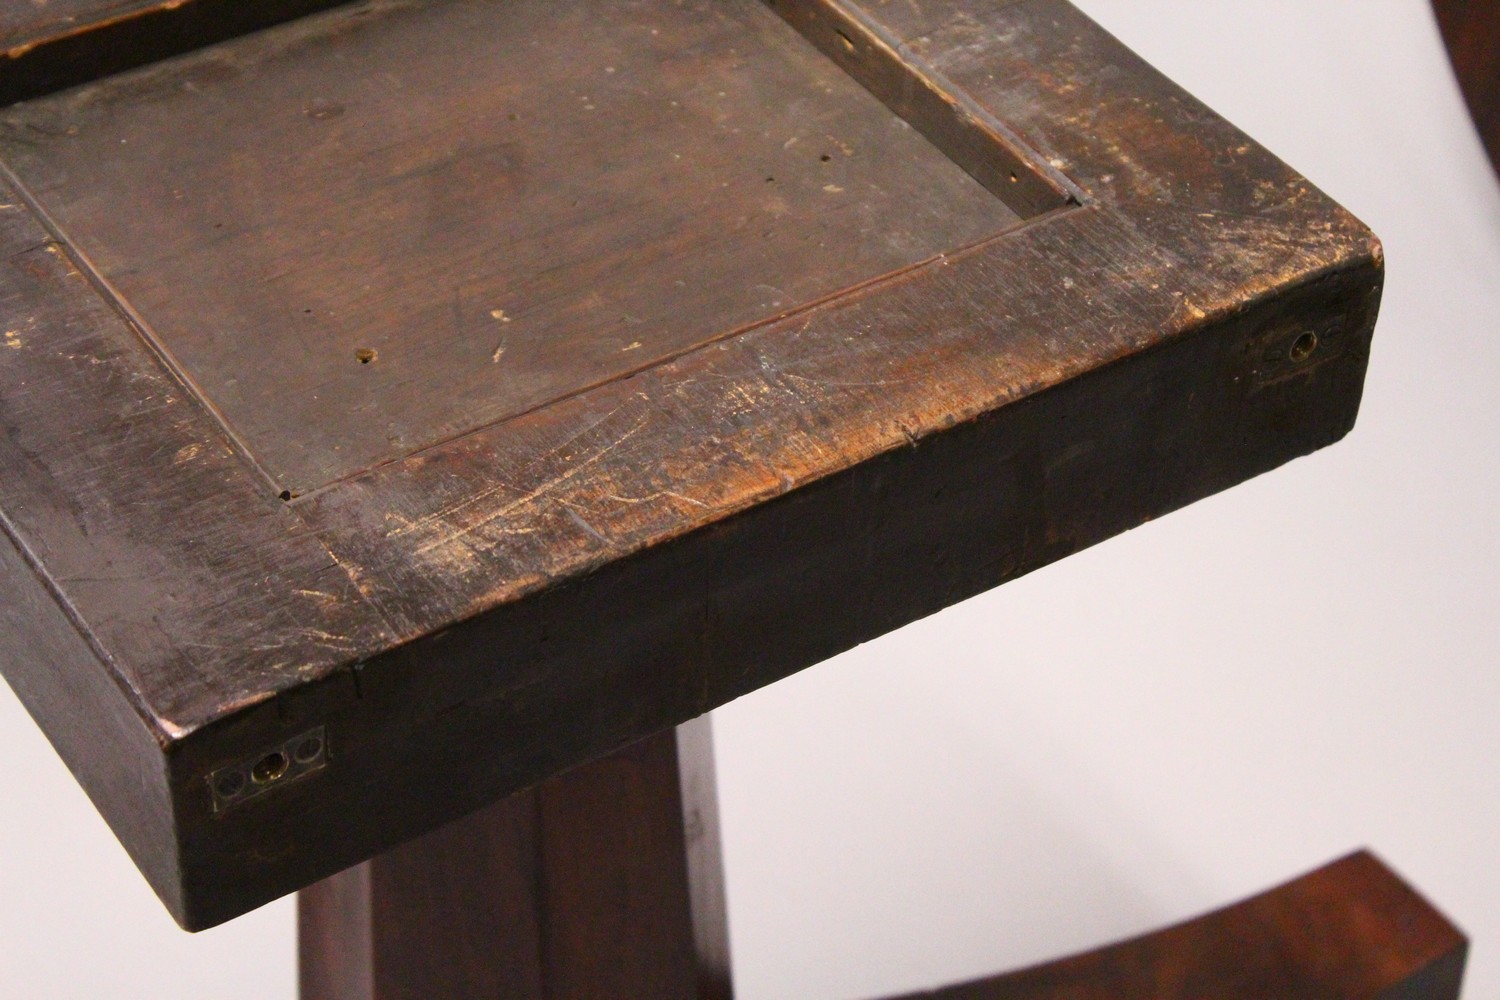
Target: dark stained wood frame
(1183, 311)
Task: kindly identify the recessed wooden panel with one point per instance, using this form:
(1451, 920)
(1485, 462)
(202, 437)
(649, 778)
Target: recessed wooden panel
(386, 226)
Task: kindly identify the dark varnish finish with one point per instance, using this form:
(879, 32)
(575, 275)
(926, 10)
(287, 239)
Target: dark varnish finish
(1350, 931)
(603, 882)
(1471, 28)
(1051, 298)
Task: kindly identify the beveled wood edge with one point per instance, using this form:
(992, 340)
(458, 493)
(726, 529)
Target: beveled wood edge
(1352, 930)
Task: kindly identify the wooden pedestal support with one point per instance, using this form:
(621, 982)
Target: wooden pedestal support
(607, 883)
(604, 882)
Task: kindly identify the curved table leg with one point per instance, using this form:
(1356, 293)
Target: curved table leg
(1350, 931)
(606, 884)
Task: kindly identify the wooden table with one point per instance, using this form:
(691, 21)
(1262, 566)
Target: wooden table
(413, 411)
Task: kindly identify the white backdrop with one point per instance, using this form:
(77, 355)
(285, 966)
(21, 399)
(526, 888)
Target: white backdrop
(1227, 697)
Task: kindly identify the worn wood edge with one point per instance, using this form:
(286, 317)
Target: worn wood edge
(138, 474)
(1351, 930)
(115, 755)
(678, 637)
(60, 55)
(1122, 132)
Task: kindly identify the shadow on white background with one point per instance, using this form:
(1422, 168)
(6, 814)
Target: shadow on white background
(1183, 716)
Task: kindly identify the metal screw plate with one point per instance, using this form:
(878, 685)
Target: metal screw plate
(270, 769)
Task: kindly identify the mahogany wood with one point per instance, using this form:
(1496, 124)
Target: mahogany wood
(580, 889)
(602, 882)
(1056, 297)
(1350, 931)
(1471, 29)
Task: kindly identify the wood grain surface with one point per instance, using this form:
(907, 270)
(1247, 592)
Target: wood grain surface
(1471, 28)
(949, 401)
(603, 882)
(1350, 931)
(580, 193)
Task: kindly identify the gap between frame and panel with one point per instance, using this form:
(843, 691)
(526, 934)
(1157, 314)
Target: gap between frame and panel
(341, 299)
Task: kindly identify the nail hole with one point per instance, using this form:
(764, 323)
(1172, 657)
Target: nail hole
(365, 355)
(848, 42)
(230, 785)
(285, 494)
(1015, 178)
(825, 157)
(308, 750)
(1304, 346)
(269, 768)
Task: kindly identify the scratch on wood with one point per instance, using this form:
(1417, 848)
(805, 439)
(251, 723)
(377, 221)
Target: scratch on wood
(654, 497)
(446, 541)
(583, 523)
(407, 527)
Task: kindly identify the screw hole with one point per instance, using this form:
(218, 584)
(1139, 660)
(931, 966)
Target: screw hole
(230, 785)
(1303, 347)
(308, 750)
(269, 768)
(285, 495)
(365, 355)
